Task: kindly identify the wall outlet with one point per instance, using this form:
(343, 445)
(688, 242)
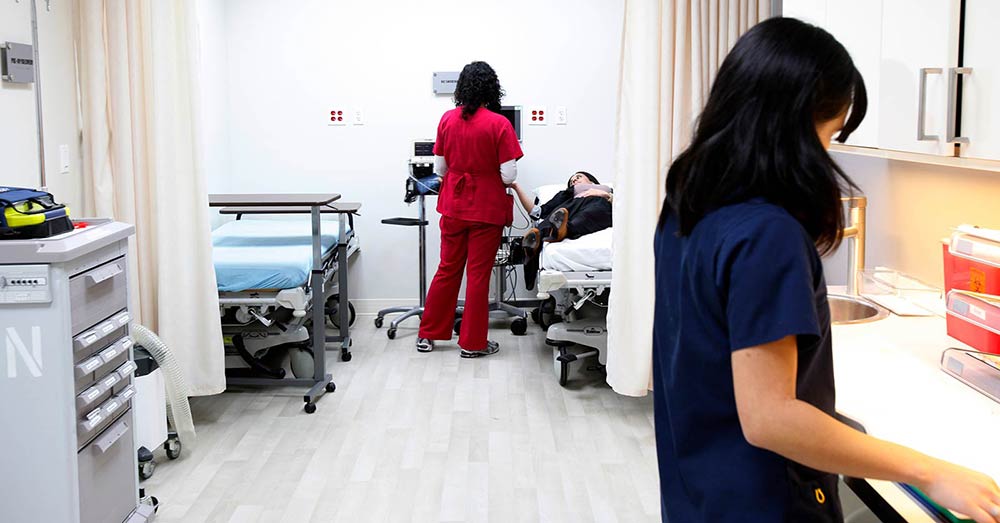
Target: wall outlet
(338, 116)
(537, 115)
(561, 115)
(63, 159)
(358, 117)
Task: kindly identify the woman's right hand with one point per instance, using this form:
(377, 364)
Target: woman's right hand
(963, 490)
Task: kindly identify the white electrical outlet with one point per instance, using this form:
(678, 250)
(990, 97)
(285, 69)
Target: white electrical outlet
(561, 115)
(358, 117)
(64, 159)
(338, 117)
(537, 115)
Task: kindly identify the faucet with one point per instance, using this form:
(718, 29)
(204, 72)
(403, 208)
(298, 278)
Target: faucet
(855, 231)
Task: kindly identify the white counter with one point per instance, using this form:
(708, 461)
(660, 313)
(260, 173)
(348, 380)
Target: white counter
(888, 379)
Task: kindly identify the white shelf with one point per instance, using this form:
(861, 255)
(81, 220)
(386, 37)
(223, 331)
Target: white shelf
(929, 159)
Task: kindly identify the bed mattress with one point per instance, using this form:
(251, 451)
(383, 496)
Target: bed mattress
(266, 254)
(587, 253)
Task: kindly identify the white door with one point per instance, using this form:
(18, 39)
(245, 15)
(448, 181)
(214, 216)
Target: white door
(981, 88)
(917, 35)
(857, 24)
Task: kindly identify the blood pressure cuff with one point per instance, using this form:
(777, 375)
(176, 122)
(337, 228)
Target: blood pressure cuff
(27, 213)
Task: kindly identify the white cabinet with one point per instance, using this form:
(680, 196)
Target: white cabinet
(981, 88)
(919, 45)
(858, 26)
(908, 54)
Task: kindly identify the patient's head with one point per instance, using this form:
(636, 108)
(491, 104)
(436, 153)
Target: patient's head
(582, 177)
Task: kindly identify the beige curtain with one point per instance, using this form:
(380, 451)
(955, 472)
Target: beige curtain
(671, 50)
(137, 64)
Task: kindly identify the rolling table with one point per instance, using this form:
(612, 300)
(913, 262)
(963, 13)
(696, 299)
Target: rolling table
(314, 205)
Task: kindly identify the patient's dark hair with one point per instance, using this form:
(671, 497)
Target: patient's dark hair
(591, 177)
(757, 136)
(478, 86)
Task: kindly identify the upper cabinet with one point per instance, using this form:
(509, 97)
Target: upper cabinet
(980, 92)
(919, 49)
(928, 87)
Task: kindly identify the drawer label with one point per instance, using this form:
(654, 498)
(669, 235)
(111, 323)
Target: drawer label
(90, 395)
(109, 381)
(108, 328)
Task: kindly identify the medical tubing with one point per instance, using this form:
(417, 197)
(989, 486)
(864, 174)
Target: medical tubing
(179, 410)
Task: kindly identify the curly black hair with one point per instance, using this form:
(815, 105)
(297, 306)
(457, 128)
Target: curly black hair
(478, 86)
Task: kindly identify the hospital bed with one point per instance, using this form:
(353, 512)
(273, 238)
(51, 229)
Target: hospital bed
(574, 283)
(279, 282)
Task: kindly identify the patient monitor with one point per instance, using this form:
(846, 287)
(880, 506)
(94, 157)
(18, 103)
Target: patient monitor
(422, 181)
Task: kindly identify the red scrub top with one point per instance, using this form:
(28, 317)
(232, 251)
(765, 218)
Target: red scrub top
(474, 149)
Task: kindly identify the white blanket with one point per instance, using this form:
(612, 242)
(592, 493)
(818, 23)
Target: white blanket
(587, 253)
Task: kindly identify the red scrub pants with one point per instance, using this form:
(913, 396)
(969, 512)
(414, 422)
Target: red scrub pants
(461, 241)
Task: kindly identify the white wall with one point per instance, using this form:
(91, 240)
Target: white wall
(290, 63)
(18, 129)
(911, 207)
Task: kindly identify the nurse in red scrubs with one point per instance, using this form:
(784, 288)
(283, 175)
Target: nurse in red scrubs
(477, 151)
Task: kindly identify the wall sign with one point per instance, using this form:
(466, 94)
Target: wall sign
(445, 82)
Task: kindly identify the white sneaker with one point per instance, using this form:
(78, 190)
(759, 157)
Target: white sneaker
(425, 345)
(492, 347)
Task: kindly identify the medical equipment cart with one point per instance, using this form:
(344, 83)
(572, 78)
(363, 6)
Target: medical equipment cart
(66, 379)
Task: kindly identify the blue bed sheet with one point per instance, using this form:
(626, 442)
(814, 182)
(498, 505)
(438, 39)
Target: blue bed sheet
(266, 254)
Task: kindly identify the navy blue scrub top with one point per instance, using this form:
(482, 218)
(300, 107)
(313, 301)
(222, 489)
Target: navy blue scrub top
(748, 274)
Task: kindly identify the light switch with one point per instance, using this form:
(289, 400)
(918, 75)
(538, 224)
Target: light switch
(63, 159)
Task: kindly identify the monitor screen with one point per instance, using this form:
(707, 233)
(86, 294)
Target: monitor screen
(513, 113)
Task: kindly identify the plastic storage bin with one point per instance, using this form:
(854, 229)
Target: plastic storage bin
(974, 320)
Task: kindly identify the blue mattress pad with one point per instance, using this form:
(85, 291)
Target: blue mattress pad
(267, 254)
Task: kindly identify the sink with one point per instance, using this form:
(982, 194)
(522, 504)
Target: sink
(846, 310)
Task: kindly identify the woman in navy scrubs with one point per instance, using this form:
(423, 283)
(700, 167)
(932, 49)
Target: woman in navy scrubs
(743, 370)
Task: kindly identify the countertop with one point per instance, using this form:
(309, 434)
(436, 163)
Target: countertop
(888, 379)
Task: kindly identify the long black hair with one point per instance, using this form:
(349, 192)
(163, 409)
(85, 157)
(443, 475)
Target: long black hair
(591, 177)
(757, 135)
(478, 86)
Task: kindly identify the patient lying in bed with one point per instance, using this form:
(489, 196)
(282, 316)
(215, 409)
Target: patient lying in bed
(584, 207)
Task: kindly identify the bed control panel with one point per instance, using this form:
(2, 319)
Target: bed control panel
(22, 284)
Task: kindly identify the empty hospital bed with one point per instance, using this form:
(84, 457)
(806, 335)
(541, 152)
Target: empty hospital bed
(280, 281)
(574, 283)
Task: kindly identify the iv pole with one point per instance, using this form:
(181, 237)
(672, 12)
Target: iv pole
(38, 93)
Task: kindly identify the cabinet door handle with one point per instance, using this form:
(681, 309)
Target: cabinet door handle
(922, 105)
(951, 133)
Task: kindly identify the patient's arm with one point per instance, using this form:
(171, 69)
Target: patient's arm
(596, 192)
(526, 202)
(440, 166)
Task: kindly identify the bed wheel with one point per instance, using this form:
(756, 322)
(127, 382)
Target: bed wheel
(391, 333)
(310, 408)
(519, 326)
(379, 321)
(535, 316)
(146, 470)
(345, 356)
(173, 447)
(561, 367)
(547, 313)
(331, 387)
(458, 326)
(333, 311)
